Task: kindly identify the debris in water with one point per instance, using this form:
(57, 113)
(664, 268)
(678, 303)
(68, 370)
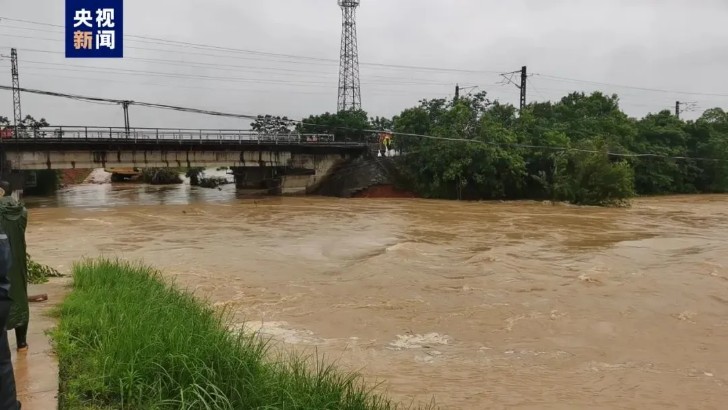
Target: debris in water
(418, 341)
(588, 279)
(686, 316)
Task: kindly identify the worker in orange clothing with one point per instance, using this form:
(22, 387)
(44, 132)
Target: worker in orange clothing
(385, 140)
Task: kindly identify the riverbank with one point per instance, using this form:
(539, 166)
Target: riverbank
(126, 336)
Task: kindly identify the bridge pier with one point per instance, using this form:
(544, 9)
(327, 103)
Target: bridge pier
(16, 179)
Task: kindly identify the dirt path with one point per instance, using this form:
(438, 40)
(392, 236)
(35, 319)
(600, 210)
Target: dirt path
(36, 371)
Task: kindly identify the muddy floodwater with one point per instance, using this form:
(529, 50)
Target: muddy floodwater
(479, 305)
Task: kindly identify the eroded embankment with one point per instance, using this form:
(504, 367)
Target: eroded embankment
(364, 177)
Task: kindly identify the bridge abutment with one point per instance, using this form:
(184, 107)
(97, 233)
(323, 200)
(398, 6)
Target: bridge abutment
(300, 176)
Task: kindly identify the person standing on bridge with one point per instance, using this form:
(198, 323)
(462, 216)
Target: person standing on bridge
(8, 394)
(13, 221)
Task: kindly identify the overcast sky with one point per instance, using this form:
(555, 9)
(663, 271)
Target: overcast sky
(674, 45)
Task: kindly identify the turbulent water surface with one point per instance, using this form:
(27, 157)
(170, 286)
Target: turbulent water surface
(479, 305)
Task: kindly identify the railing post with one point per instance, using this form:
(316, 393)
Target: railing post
(157, 130)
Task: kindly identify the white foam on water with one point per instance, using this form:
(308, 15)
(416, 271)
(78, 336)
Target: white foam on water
(280, 331)
(98, 176)
(418, 341)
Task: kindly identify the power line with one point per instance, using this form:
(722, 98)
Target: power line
(657, 90)
(155, 40)
(224, 67)
(423, 136)
(30, 72)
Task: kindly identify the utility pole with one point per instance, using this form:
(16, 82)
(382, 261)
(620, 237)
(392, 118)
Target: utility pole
(508, 79)
(125, 105)
(524, 78)
(684, 106)
(457, 92)
(17, 116)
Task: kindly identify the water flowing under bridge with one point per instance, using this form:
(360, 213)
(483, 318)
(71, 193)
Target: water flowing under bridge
(292, 159)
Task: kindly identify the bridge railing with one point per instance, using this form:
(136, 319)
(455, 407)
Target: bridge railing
(66, 133)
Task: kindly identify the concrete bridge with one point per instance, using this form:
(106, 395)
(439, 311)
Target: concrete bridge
(288, 163)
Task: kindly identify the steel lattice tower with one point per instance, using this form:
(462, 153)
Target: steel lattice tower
(349, 88)
(17, 117)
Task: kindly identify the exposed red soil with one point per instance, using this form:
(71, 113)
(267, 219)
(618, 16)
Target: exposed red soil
(384, 191)
(74, 176)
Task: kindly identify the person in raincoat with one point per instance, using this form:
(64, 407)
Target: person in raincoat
(385, 143)
(8, 394)
(13, 221)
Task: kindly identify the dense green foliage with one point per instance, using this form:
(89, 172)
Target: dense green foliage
(345, 125)
(128, 340)
(580, 149)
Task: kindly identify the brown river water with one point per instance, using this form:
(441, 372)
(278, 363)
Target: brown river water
(479, 305)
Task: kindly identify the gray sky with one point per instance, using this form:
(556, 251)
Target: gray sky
(677, 45)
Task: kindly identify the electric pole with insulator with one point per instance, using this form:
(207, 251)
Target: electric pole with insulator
(125, 105)
(684, 106)
(508, 78)
(524, 78)
(349, 87)
(17, 116)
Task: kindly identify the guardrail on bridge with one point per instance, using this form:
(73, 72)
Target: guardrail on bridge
(73, 134)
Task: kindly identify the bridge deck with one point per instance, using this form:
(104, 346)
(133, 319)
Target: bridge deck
(166, 136)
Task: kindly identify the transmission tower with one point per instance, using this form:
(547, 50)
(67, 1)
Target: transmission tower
(17, 117)
(349, 88)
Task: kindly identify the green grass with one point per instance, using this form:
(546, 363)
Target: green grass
(126, 339)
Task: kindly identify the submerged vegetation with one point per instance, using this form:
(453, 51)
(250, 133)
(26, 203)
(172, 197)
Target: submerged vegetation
(161, 176)
(582, 149)
(128, 340)
(38, 273)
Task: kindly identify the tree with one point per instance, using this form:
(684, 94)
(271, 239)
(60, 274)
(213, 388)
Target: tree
(381, 123)
(590, 176)
(664, 135)
(351, 125)
(31, 123)
(709, 140)
(269, 125)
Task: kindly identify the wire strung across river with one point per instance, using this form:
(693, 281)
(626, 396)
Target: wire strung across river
(404, 134)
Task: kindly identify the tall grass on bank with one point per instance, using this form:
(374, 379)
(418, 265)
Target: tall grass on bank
(128, 340)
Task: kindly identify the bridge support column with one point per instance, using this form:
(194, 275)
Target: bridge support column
(15, 178)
